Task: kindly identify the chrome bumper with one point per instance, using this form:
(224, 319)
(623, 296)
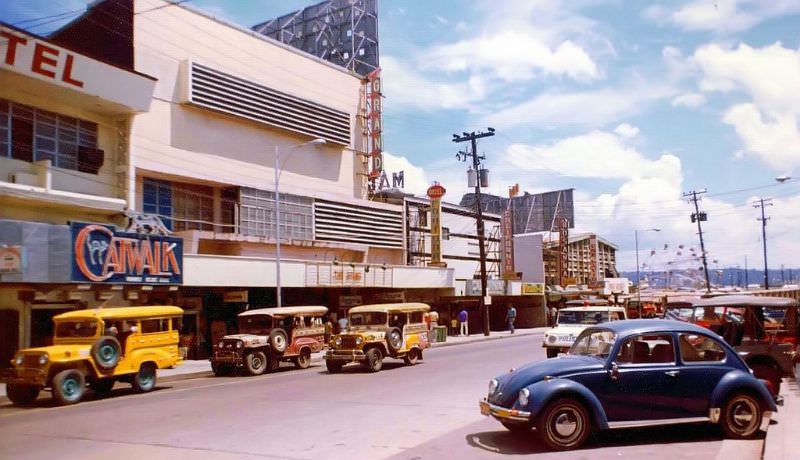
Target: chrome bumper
(345, 355)
(766, 416)
(502, 413)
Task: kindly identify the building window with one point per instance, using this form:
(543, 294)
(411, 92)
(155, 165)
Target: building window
(180, 206)
(257, 215)
(30, 134)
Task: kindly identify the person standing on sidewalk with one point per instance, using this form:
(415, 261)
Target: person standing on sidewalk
(463, 319)
(511, 316)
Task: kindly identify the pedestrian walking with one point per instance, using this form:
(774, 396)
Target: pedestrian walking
(553, 316)
(511, 316)
(463, 319)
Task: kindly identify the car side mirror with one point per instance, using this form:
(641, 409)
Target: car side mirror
(613, 371)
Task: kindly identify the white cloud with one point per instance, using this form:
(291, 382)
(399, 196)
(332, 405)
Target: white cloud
(626, 131)
(441, 20)
(513, 55)
(583, 108)
(720, 15)
(768, 126)
(774, 139)
(414, 177)
(691, 100)
(406, 88)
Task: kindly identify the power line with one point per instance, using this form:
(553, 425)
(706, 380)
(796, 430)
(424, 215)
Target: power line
(699, 217)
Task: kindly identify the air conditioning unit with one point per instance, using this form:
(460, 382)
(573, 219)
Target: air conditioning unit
(23, 178)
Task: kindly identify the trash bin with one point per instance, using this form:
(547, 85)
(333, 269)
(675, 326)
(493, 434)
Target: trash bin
(441, 333)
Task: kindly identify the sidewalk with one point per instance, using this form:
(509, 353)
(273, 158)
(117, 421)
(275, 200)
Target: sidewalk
(782, 442)
(202, 368)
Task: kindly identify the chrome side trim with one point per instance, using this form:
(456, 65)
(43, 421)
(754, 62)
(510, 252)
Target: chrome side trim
(714, 414)
(666, 421)
(766, 416)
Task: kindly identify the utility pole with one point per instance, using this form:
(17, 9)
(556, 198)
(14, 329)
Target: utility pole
(761, 204)
(698, 217)
(476, 164)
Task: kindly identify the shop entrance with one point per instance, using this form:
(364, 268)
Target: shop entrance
(9, 336)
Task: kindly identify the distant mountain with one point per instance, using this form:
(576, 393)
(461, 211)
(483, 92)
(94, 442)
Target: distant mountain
(717, 277)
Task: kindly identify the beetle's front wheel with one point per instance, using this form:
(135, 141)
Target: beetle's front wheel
(564, 424)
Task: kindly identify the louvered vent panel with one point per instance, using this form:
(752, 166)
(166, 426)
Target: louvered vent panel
(346, 223)
(219, 91)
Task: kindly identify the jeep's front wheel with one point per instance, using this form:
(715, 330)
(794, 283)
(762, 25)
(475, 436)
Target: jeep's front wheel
(770, 373)
(144, 380)
(374, 359)
(303, 360)
(334, 367)
(411, 358)
(22, 394)
(68, 386)
(255, 362)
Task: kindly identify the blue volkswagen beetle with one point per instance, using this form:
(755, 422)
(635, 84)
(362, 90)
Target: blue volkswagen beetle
(632, 373)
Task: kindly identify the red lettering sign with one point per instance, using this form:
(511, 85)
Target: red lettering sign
(13, 41)
(45, 59)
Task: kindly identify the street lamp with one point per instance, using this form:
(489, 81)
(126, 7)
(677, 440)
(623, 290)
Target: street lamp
(277, 169)
(638, 281)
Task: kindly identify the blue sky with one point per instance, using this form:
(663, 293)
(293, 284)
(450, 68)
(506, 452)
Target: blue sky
(630, 103)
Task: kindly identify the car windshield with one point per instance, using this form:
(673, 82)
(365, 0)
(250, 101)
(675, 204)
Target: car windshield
(594, 343)
(582, 317)
(368, 318)
(255, 324)
(76, 329)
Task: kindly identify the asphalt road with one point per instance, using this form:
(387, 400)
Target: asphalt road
(428, 411)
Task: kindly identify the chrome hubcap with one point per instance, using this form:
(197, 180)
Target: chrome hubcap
(70, 387)
(743, 414)
(566, 423)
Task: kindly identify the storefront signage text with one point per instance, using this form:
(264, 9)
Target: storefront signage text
(45, 60)
(102, 254)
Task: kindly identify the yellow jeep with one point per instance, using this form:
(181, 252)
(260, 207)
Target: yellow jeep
(376, 331)
(97, 347)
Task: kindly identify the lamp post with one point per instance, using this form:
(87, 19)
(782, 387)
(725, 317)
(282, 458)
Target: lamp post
(638, 281)
(277, 170)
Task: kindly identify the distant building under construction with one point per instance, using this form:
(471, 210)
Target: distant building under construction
(590, 258)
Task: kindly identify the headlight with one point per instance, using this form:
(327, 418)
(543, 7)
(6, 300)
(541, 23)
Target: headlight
(338, 341)
(239, 344)
(523, 397)
(43, 360)
(359, 340)
(493, 384)
(18, 360)
(221, 344)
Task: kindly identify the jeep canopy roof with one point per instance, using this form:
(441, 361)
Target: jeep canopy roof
(287, 311)
(745, 301)
(391, 307)
(581, 302)
(121, 312)
(594, 308)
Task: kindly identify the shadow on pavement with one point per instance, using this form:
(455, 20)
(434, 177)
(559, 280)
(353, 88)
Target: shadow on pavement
(45, 399)
(505, 442)
(359, 369)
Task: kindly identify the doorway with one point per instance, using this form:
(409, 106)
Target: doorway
(9, 336)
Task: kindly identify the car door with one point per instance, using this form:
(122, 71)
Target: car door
(703, 361)
(643, 385)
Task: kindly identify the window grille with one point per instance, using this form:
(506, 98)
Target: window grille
(257, 215)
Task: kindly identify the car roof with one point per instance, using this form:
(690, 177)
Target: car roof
(121, 312)
(391, 307)
(579, 302)
(597, 308)
(644, 326)
(745, 301)
(287, 311)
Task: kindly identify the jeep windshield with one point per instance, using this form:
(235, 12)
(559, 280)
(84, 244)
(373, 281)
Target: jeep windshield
(582, 317)
(596, 343)
(368, 318)
(255, 324)
(76, 329)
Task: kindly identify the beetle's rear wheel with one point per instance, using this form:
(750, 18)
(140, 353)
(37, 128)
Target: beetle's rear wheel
(741, 417)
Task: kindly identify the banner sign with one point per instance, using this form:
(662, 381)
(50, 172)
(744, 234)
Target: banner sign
(101, 254)
(12, 259)
(507, 242)
(435, 193)
(532, 288)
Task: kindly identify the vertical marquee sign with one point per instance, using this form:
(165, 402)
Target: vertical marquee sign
(435, 193)
(101, 254)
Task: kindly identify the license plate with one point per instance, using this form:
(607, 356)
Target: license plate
(484, 408)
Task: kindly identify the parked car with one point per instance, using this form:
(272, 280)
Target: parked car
(633, 373)
(763, 330)
(374, 332)
(268, 336)
(572, 320)
(97, 347)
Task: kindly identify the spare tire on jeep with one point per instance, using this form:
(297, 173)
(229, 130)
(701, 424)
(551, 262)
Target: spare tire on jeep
(106, 352)
(394, 339)
(278, 340)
